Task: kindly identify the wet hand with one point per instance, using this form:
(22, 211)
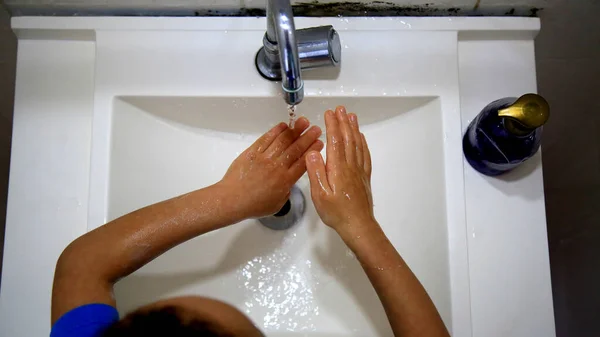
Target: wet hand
(341, 188)
(261, 177)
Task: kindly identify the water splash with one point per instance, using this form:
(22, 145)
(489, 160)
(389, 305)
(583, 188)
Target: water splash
(406, 24)
(281, 289)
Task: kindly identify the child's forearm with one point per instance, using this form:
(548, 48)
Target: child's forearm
(123, 245)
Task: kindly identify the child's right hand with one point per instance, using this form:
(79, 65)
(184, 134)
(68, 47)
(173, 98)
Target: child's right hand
(341, 189)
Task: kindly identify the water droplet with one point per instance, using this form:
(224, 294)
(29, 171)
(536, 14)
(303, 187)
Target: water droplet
(345, 46)
(281, 290)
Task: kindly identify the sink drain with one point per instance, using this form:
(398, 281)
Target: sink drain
(284, 210)
(289, 214)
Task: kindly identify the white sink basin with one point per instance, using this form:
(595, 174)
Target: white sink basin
(302, 279)
(172, 109)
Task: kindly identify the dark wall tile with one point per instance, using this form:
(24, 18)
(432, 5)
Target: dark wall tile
(568, 68)
(8, 58)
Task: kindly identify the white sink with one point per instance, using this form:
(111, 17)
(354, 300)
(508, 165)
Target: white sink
(172, 118)
(303, 279)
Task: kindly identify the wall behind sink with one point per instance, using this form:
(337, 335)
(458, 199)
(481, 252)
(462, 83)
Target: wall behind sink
(256, 7)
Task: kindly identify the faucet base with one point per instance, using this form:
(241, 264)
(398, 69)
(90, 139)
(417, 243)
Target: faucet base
(317, 47)
(267, 69)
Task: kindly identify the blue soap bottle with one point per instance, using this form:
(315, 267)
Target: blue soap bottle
(505, 133)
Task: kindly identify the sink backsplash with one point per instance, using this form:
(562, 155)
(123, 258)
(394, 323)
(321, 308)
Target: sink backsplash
(313, 8)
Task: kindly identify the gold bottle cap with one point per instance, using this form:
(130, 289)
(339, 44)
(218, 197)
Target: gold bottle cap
(530, 110)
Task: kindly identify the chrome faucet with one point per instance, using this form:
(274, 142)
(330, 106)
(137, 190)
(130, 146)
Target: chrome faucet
(286, 51)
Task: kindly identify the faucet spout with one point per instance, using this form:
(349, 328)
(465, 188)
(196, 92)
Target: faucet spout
(282, 33)
(285, 51)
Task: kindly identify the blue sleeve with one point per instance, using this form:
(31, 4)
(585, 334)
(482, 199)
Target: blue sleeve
(88, 320)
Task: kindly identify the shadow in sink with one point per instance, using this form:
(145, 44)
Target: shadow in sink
(255, 114)
(346, 269)
(252, 241)
(507, 182)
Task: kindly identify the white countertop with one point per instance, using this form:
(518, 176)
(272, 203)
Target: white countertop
(508, 265)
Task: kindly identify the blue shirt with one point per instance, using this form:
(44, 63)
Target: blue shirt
(88, 320)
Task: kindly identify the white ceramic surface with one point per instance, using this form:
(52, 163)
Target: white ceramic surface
(303, 279)
(89, 90)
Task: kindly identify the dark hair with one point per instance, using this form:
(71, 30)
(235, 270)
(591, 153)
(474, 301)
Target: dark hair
(163, 322)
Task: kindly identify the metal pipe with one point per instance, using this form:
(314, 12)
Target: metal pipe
(281, 30)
